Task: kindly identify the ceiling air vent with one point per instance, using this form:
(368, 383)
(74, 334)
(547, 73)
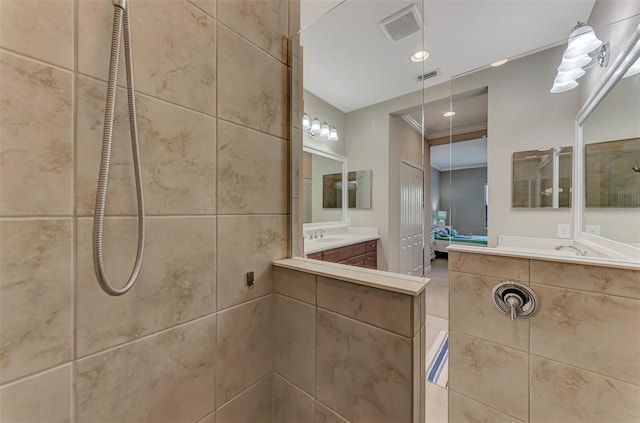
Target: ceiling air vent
(427, 75)
(402, 23)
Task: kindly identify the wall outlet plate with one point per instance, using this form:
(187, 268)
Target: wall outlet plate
(592, 229)
(564, 230)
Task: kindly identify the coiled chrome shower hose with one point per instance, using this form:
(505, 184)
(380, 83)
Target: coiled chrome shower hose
(120, 25)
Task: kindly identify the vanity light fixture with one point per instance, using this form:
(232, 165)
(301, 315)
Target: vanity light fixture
(449, 114)
(317, 128)
(419, 56)
(333, 134)
(584, 50)
(314, 130)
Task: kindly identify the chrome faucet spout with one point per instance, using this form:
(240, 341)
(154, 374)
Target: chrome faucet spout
(578, 251)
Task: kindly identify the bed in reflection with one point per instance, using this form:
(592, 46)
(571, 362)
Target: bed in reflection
(442, 236)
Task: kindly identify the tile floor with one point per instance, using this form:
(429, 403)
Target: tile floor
(437, 319)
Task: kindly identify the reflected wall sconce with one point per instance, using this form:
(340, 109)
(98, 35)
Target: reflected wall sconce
(316, 128)
(584, 51)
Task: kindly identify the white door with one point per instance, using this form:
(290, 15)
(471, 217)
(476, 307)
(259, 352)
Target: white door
(411, 222)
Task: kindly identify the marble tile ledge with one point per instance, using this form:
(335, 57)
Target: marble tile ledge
(590, 261)
(410, 285)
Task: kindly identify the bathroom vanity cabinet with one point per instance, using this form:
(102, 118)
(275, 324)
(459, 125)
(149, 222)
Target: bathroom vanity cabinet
(363, 254)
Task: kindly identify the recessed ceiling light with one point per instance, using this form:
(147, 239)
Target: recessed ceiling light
(420, 56)
(499, 63)
(449, 114)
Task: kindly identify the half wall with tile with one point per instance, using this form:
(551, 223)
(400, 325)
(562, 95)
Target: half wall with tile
(347, 352)
(190, 342)
(575, 360)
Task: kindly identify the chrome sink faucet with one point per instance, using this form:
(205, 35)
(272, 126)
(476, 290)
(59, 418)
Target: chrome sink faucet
(577, 250)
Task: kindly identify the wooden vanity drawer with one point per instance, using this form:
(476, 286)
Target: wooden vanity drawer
(315, 256)
(343, 253)
(371, 245)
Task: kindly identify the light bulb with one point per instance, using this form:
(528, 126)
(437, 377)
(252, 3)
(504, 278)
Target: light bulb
(315, 127)
(564, 77)
(333, 134)
(305, 121)
(582, 41)
(575, 63)
(560, 88)
(324, 130)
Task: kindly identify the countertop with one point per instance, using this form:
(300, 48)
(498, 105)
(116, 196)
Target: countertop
(591, 261)
(340, 239)
(395, 282)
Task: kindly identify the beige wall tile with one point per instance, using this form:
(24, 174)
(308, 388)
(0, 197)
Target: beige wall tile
(465, 410)
(179, 67)
(295, 342)
(294, 17)
(167, 377)
(290, 404)
(177, 153)
(418, 377)
(326, 415)
(362, 372)
(297, 242)
(40, 29)
(253, 174)
(565, 394)
(177, 282)
(35, 296)
(474, 313)
(298, 285)
(245, 96)
(255, 405)
(490, 373)
(385, 309)
(488, 265)
(296, 166)
(265, 23)
(590, 331)
(250, 243)
(436, 404)
(602, 280)
(208, 6)
(35, 138)
(245, 347)
(45, 397)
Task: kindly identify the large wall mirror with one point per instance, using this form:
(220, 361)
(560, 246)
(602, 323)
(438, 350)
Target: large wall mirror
(457, 121)
(358, 79)
(609, 146)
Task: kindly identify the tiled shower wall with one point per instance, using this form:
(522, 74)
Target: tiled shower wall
(575, 360)
(189, 342)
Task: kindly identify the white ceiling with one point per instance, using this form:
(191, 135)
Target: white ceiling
(349, 63)
(471, 115)
(459, 155)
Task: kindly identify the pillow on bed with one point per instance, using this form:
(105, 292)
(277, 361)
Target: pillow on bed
(454, 232)
(440, 230)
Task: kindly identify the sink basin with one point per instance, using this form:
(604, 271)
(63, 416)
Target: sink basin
(328, 239)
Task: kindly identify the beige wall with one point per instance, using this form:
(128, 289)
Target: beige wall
(346, 352)
(189, 342)
(575, 360)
